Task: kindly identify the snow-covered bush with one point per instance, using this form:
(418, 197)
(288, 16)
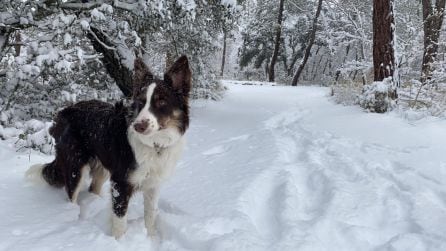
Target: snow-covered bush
(30, 134)
(346, 92)
(379, 96)
(417, 100)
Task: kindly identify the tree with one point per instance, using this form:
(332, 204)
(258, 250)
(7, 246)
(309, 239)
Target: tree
(260, 42)
(309, 45)
(383, 40)
(258, 37)
(379, 96)
(432, 23)
(276, 42)
(230, 20)
(55, 52)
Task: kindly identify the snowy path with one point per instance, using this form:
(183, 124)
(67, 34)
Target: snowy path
(267, 168)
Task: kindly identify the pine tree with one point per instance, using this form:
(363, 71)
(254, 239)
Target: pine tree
(379, 96)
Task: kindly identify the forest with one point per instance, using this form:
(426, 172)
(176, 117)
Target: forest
(56, 52)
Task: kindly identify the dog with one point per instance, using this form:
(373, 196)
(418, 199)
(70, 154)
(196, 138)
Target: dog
(135, 147)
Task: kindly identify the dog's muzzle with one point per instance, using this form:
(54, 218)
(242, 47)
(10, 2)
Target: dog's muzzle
(141, 127)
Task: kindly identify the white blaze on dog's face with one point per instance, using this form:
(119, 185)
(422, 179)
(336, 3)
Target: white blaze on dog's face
(146, 123)
(161, 106)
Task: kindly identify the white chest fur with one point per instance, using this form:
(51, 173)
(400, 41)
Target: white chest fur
(154, 164)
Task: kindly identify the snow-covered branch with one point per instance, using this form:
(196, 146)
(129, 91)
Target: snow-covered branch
(82, 6)
(100, 42)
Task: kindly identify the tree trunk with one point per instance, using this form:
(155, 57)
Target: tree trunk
(432, 22)
(310, 44)
(364, 76)
(223, 59)
(356, 71)
(314, 68)
(375, 98)
(111, 59)
(4, 37)
(267, 68)
(18, 41)
(294, 60)
(383, 51)
(276, 43)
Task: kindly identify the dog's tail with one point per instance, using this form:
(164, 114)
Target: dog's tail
(34, 174)
(46, 173)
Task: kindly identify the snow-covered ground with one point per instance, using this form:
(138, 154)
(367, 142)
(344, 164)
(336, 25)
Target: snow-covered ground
(267, 168)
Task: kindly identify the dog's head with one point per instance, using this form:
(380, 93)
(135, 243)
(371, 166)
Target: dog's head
(160, 107)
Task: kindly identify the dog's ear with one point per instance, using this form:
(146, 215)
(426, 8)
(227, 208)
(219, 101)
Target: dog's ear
(179, 75)
(141, 75)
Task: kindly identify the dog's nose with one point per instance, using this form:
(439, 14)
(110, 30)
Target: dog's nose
(141, 126)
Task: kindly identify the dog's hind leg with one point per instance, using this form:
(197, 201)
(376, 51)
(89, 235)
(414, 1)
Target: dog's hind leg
(74, 181)
(121, 192)
(74, 159)
(99, 175)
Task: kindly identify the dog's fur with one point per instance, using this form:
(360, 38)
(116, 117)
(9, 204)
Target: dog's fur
(135, 147)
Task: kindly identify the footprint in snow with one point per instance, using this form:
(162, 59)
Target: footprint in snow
(215, 150)
(221, 148)
(237, 138)
(170, 208)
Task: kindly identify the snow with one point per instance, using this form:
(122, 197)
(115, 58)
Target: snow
(382, 87)
(84, 24)
(266, 168)
(188, 5)
(48, 58)
(24, 21)
(97, 15)
(67, 39)
(229, 2)
(9, 132)
(34, 124)
(63, 65)
(106, 8)
(31, 69)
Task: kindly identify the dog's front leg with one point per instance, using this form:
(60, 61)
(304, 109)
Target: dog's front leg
(121, 193)
(150, 209)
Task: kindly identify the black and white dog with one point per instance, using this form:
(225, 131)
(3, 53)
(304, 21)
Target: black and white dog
(136, 148)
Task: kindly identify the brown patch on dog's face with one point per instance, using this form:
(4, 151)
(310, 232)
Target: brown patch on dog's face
(165, 106)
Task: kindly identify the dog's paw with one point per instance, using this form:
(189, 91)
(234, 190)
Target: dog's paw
(117, 233)
(151, 232)
(162, 141)
(119, 226)
(151, 229)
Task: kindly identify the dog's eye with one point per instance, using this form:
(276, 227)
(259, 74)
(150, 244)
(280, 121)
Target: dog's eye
(161, 103)
(136, 104)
